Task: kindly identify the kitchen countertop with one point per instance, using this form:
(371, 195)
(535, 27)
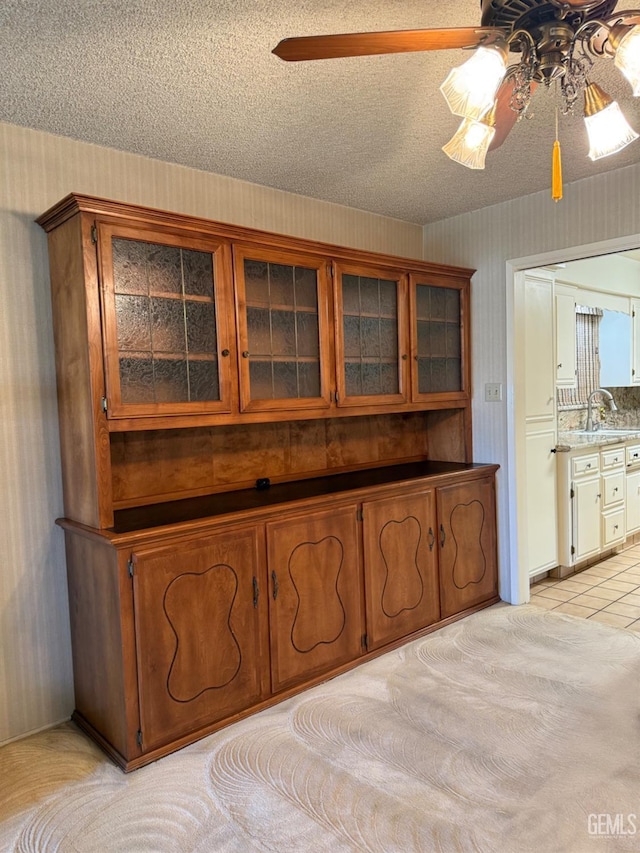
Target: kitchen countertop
(580, 440)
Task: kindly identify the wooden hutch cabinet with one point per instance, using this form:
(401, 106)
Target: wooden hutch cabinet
(267, 470)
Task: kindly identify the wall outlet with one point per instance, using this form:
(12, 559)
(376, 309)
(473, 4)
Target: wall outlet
(493, 392)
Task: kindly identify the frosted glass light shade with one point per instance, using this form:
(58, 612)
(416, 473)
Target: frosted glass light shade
(627, 58)
(470, 143)
(470, 90)
(608, 131)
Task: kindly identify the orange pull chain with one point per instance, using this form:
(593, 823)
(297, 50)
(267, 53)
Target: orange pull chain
(556, 167)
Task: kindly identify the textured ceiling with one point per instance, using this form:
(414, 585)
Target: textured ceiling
(196, 83)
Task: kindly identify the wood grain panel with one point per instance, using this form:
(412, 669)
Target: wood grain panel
(400, 556)
(201, 641)
(313, 559)
(467, 545)
(84, 438)
(161, 465)
(102, 641)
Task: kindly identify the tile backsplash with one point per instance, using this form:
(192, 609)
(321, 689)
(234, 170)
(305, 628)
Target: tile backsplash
(628, 414)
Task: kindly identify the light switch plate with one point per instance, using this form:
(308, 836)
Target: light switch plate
(493, 392)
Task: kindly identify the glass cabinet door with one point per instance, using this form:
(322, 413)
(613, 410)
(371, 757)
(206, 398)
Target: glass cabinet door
(439, 339)
(282, 329)
(371, 338)
(165, 307)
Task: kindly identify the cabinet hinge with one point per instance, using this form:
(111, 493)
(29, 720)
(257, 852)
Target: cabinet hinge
(365, 642)
(330, 270)
(94, 234)
(139, 738)
(103, 405)
(573, 550)
(572, 494)
(337, 397)
(130, 567)
(360, 514)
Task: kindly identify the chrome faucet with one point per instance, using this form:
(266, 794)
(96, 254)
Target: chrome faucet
(591, 427)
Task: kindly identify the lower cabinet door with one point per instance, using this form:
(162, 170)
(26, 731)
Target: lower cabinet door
(401, 570)
(201, 641)
(315, 600)
(467, 545)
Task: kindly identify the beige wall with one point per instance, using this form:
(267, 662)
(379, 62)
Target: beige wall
(593, 210)
(36, 170)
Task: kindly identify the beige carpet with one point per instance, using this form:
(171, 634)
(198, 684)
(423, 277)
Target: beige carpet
(503, 732)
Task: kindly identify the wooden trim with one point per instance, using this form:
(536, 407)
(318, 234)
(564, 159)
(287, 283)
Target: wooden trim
(105, 208)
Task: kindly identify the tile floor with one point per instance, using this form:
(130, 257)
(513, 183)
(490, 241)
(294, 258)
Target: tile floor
(608, 592)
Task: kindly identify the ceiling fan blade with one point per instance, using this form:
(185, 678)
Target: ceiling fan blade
(505, 116)
(394, 41)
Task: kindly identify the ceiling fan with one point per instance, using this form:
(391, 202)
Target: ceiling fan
(548, 40)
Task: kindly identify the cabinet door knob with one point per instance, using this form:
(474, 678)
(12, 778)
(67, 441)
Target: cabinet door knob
(442, 536)
(432, 539)
(256, 592)
(224, 353)
(404, 357)
(559, 366)
(245, 354)
(274, 578)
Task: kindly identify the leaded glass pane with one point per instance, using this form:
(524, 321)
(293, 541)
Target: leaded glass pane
(168, 325)
(201, 327)
(309, 379)
(439, 339)
(350, 294)
(197, 269)
(285, 380)
(170, 380)
(283, 333)
(133, 323)
(282, 330)
(389, 380)
(130, 266)
(306, 288)
(307, 335)
(370, 379)
(203, 380)
(353, 379)
(281, 284)
(165, 310)
(136, 380)
(165, 269)
(370, 335)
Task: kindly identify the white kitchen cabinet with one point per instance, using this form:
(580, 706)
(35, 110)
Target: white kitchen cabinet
(542, 502)
(537, 489)
(586, 508)
(635, 341)
(632, 490)
(565, 304)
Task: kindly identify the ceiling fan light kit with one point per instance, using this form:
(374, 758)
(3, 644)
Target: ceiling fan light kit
(607, 129)
(470, 90)
(557, 40)
(627, 58)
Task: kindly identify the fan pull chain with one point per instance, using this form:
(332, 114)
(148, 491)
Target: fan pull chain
(556, 167)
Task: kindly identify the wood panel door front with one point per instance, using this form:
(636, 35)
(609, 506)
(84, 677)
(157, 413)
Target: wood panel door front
(467, 545)
(400, 555)
(315, 601)
(200, 616)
